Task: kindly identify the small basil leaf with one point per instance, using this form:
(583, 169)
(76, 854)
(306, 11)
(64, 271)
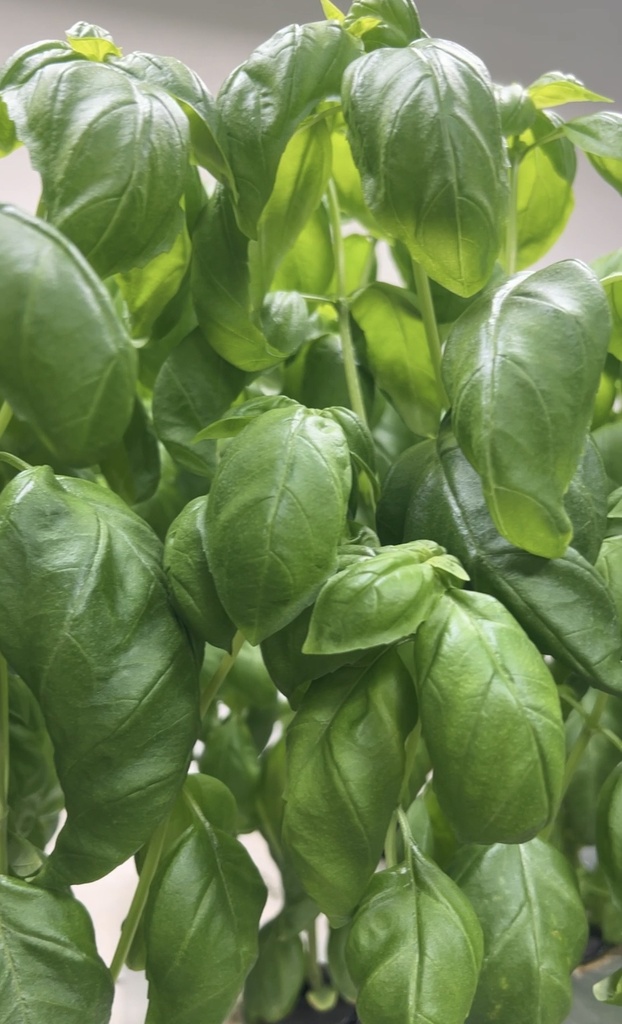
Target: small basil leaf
(556, 88)
(91, 41)
(516, 109)
(513, 424)
(276, 981)
(394, 22)
(598, 135)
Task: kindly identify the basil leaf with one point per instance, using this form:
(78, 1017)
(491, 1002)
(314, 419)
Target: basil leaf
(128, 142)
(276, 981)
(599, 760)
(448, 210)
(348, 183)
(556, 88)
(337, 967)
(516, 109)
(91, 41)
(21, 68)
(263, 102)
(231, 756)
(598, 135)
(8, 138)
(397, 22)
(132, 467)
(308, 266)
(345, 764)
(534, 928)
(608, 269)
(609, 831)
(207, 889)
(91, 561)
(415, 947)
(48, 958)
(486, 697)
(513, 424)
(75, 377)
(148, 290)
(272, 544)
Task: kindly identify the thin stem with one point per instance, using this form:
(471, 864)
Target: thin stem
(314, 973)
(511, 237)
(139, 901)
(412, 745)
(4, 764)
(578, 707)
(6, 414)
(428, 316)
(390, 843)
(12, 460)
(221, 673)
(324, 299)
(347, 346)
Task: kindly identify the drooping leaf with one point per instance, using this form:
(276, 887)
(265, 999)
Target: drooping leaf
(102, 633)
(534, 926)
(600, 136)
(514, 424)
(556, 88)
(415, 947)
(276, 981)
(75, 375)
(393, 22)
(132, 467)
(437, 184)
(345, 763)
(48, 958)
(92, 41)
(273, 543)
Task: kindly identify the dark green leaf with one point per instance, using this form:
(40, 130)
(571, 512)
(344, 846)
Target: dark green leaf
(176, 488)
(316, 378)
(608, 440)
(48, 959)
(91, 41)
(437, 184)
(510, 403)
(415, 947)
(101, 634)
(345, 764)
(609, 831)
(132, 467)
(286, 323)
(273, 543)
(555, 88)
(231, 756)
(534, 928)
(75, 373)
(337, 967)
(397, 22)
(276, 981)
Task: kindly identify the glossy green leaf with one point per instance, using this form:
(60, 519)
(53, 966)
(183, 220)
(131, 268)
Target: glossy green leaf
(48, 958)
(263, 102)
(21, 68)
(534, 928)
(415, 947)
(608, 269)
(609, 831)
(600, 136)
(491, 721)
(273, 543)
(276, 981)
(148, 290)
(201, 924)
(514, 424)
(545, 197)
(239, 416)
(102, 633)
(190, 580)
(609, 990)
(195, 386)
(345, 763)
(437, 184)
(75, 378)
(308, 266)
(556, 88)
(397, 354)
(348, 183)
(393, 22)
(113, 168)
(132, 467)
(91, 41)
(516, 109)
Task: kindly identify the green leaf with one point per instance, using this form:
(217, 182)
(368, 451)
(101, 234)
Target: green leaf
(331, 11)
(132, 467)
(337, 967)
(609, 990)
(309, 264)
(231, 756)
(273, 542)
(67, 365)
(609, 831)
(276, 981)
(239, 417)
(8, 138)
(316, 378)
(600, 136)
(195, 386)
(608, 269)
(189, 577)
(555, 88)
(534, 928)
(415, 947)
(545, 197)
(397, 354)
(48, 958)
(345, 764)
(201, 924)
(348, 183)
(148, 290)
(516, 109)
(449, 212)
(515, 425)
(598, 761)
(263, 102)
(102, 633)
(21, 68)
(91, 41)
(392, 22)
(608, 440)
(487, 699)
(113, 158)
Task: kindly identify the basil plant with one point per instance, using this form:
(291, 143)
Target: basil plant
(311, 525)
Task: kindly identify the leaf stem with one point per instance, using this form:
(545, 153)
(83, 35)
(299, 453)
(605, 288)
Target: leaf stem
(511, 237)
(424, 293)
(390, 843)
(4, 764)
(347, 346)
(213, 686)
(6, 415)
(314, 973)
(12, 460)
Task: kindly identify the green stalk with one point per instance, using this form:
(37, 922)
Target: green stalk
(4, 764)
(12, 460)
(390, 843)
(347, 346)
(211, 689)
(511, 237)
(314, 974)
(6, 414)
(422, 284)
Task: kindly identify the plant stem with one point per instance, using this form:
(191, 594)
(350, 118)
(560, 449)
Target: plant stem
(6, 414)
(314, 974)
(221, 673)
(347, 346)
(130, 925)
(422, 284)
(4, 764)
(390, 843)
(12, 460)
(511, 237)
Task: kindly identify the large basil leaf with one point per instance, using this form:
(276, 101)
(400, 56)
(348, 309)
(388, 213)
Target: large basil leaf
(609, 831)
(272, 543)
(415, 947)
(509, 365)
(19, 69)
(67, 366)
(113, 164)
(396, 22)
(491, 721)
(599, 135)
(437, 184)
(276, 981)
(345, 764)
(398, 355)
(534, 928)
(263, 102)
(201, 925)
(48, 958)
(102, 635)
